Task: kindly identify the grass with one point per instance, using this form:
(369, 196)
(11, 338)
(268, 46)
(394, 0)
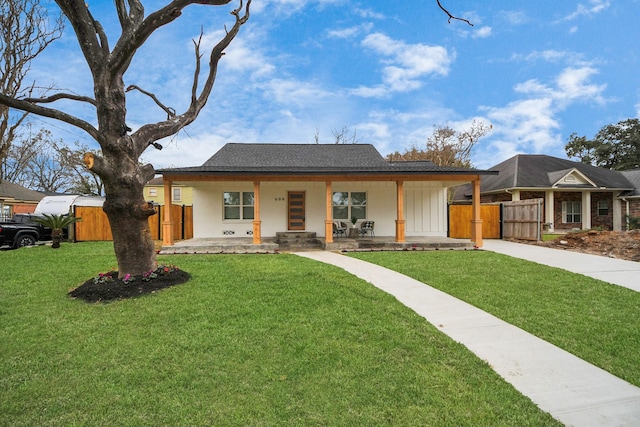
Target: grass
(591, 319)
(260, 340)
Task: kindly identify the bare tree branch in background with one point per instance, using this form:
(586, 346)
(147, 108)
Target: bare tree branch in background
(25, 31)
(344, 135)
(37, 161)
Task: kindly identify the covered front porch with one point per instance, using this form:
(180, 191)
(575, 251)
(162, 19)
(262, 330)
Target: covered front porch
(235, 245)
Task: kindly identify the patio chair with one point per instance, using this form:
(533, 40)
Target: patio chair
(367, 227)
(339, 229)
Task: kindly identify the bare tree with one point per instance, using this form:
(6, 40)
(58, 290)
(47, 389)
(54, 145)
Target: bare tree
(39, 162)
(447, 146)
(344, 135)
(118, 167)
(25, 31)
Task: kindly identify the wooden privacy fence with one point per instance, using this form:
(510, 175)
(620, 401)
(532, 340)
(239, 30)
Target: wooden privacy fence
(522, 219)
(95, 224)
(460, 217)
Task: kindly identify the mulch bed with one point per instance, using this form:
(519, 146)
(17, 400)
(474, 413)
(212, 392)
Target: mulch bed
(110, 288)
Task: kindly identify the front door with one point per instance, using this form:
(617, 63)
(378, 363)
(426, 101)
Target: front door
(296, 211)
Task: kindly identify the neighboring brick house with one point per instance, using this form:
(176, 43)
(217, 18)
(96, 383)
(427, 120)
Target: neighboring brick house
(17, 199)
(631, 199)
(576, 195)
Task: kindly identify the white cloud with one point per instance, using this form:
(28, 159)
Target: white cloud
(350, 32)
(481, 33)
(513, 17)
(592, 8)
(531, 124)
(368, 13)
(405, 64)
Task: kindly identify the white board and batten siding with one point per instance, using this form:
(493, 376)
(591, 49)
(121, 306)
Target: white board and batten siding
(425, 207)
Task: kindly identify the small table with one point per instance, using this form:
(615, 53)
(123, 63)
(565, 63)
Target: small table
(353, 233)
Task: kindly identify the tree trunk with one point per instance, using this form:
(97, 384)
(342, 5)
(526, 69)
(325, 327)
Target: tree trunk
(132, 242)
(56, 238)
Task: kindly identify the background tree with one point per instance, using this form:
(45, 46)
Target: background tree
(25, 31)
(37, 161)
(119, 168)
(446, 146)
(344, 135)
(615, 146)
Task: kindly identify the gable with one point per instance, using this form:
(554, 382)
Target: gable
(569, 178)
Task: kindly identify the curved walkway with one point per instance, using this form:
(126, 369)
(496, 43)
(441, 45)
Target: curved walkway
(573, 391)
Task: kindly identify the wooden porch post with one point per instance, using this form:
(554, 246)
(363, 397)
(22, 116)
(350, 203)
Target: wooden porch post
(167, 224)
(328, 222)
(476, 221)
(257, 232)
(400, 222)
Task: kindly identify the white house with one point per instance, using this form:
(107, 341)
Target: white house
(258, 190)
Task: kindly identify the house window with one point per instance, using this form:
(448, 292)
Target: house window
(5, 212)
(603, 207)
(176, 194)
(571, 212)
(238, 205)
(153, 191)
(349, 204)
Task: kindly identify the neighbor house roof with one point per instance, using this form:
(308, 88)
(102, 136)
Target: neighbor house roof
(18, 193)
(533, 171)
(633, 176)
(309, 159)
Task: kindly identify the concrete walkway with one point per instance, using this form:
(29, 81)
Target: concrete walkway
(573, 391)
(611, 270)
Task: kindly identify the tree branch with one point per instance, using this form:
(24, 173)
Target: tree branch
(451, 16)
(137, 34)
(156, 131)
(59, 96)
(171, 113)
(84, 26)
(51, 113)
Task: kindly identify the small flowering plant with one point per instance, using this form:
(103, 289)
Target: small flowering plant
(112, 276)
(107, 277)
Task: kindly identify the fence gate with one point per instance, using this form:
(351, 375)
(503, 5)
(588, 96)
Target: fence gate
(460, 217)
(522, 219)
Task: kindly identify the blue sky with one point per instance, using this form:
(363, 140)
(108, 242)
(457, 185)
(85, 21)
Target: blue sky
(537, 71)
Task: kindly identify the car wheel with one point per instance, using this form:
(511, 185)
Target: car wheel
(24, 240)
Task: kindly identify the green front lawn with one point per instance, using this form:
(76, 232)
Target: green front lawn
(591, 319)
(261, 340)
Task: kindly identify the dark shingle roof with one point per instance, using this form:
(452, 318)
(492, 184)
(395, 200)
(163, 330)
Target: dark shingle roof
(633, 176)
(9, 190)
(542, 171)
(308, 159)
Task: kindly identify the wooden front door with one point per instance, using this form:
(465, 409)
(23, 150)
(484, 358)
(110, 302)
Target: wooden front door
(296, 210)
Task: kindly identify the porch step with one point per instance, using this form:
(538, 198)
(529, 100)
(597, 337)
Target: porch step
(288, 240)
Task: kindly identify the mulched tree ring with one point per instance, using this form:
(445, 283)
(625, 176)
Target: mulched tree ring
(110, 288)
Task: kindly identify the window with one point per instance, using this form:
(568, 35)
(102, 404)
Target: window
(176, 194)
(153, 191)
(5, 212)
(238, 205)
(603, 207)
(571, 212)
(349, 204)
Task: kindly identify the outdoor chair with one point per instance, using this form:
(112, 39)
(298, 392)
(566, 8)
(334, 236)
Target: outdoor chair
(339, 229)
(367, 227)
